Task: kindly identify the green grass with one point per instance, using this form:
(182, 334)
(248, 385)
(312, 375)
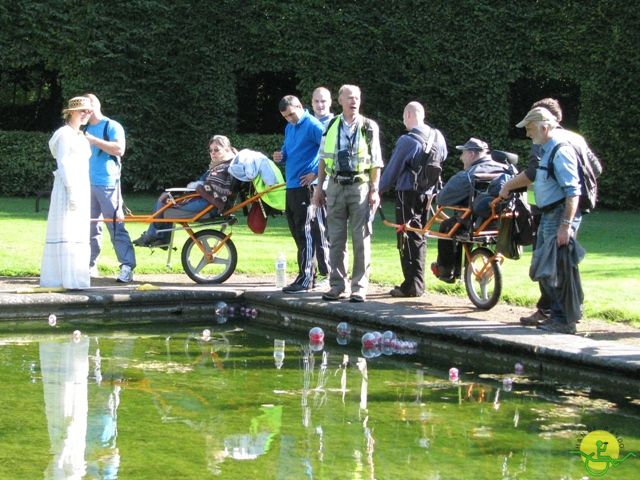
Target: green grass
(610, 275)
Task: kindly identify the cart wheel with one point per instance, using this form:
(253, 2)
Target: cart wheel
(483, 279)
(215, 269)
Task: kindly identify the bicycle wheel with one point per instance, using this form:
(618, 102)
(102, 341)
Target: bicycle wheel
(213, 265)
(483, 279)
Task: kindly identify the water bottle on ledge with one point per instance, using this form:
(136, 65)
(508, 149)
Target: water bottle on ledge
(281, 271)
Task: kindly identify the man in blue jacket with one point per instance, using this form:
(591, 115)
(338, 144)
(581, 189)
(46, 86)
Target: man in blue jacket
(410, 198)
(299, 153)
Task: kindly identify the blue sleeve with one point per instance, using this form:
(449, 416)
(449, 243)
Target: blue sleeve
(115, 131)
(565, 166)
(455, 191)
(405, 148)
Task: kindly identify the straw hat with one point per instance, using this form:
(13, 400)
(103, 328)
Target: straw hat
(78, 103)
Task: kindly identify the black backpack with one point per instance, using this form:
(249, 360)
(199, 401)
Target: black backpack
(589, 169)
(426, 168)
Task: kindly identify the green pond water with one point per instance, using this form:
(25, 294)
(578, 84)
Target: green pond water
(165, 403)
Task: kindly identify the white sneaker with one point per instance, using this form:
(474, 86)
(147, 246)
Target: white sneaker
(93, 272)
(126, 274)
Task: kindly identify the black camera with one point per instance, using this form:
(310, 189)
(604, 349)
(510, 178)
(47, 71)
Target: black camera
(347, 163)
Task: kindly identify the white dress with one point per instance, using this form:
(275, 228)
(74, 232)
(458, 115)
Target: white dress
(65, 262)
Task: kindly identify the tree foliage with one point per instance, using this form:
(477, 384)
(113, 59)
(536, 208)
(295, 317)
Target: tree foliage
(168, 70)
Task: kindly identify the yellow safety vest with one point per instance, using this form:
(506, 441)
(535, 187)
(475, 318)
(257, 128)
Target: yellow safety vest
(331, 142)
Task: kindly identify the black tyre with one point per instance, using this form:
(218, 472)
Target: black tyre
(210, 267)
(483, 279)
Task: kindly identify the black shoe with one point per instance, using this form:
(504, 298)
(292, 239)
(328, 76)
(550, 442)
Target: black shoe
(447, 278)
(146, 240)
(539, 317)
(557, 327)
(442, 275)
(295, 288)
(356, 298)
(399, 293)
(332, 295)
(143, 240)
(159, 243)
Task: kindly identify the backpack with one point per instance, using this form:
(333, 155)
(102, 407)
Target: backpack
(589, 169)
(426, 168)
(105, 137)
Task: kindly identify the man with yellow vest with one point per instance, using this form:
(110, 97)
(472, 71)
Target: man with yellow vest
(351, 159)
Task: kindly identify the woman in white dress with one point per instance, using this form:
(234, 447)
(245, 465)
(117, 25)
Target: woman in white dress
(65, 262)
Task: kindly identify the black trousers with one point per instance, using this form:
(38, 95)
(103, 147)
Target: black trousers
(449, 251)
(308, 229)
(412, 246)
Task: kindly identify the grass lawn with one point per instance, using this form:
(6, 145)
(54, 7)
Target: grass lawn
(610, 272)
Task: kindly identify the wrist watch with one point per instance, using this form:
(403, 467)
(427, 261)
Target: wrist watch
(564, 221)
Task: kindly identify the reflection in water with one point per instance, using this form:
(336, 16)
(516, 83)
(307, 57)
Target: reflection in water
(222, 404)
(82, 427)
(65, 368)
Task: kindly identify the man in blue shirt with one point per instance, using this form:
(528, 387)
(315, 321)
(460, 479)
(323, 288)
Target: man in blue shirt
(410, 199)
(299, 153)
(557, 196)
(107, 140)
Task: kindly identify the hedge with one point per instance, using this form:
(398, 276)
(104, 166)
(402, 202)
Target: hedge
(29, 164)
(170, 70)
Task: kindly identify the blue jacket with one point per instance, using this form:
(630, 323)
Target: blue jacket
(458, 188)
(397, 173)
(300, 149)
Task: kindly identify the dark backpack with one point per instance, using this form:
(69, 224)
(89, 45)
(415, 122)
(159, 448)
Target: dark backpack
(589, 169)
(426, 168)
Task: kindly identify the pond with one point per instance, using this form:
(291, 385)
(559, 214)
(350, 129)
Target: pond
(237, 401)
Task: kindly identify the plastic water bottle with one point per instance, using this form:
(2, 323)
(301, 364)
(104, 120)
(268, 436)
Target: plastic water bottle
(278, 352)
(281, 271)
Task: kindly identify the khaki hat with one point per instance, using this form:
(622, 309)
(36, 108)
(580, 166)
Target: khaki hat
(538, 114)
(474, 144)
(78, 103)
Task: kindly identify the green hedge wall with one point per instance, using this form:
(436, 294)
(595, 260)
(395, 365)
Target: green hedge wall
(27, 164)
(168, 69)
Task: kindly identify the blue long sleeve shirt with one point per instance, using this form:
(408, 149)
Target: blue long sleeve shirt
(565, 165)
(300, 149)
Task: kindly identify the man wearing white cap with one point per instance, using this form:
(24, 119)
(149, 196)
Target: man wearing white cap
(477, 161)
(557, 191)
(526, 178)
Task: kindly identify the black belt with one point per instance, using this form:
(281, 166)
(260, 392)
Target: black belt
(348, 179)
(551, 206)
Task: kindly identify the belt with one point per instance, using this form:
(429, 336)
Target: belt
(551, 206)
(349, 179)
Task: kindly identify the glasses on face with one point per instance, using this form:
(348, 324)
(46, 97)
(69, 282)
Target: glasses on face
(86, 112)
(215, 149)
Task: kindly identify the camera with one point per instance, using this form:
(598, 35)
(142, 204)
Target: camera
(347, 163)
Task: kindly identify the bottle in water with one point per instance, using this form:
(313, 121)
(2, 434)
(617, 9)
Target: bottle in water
(281, 271)
(278, 352)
